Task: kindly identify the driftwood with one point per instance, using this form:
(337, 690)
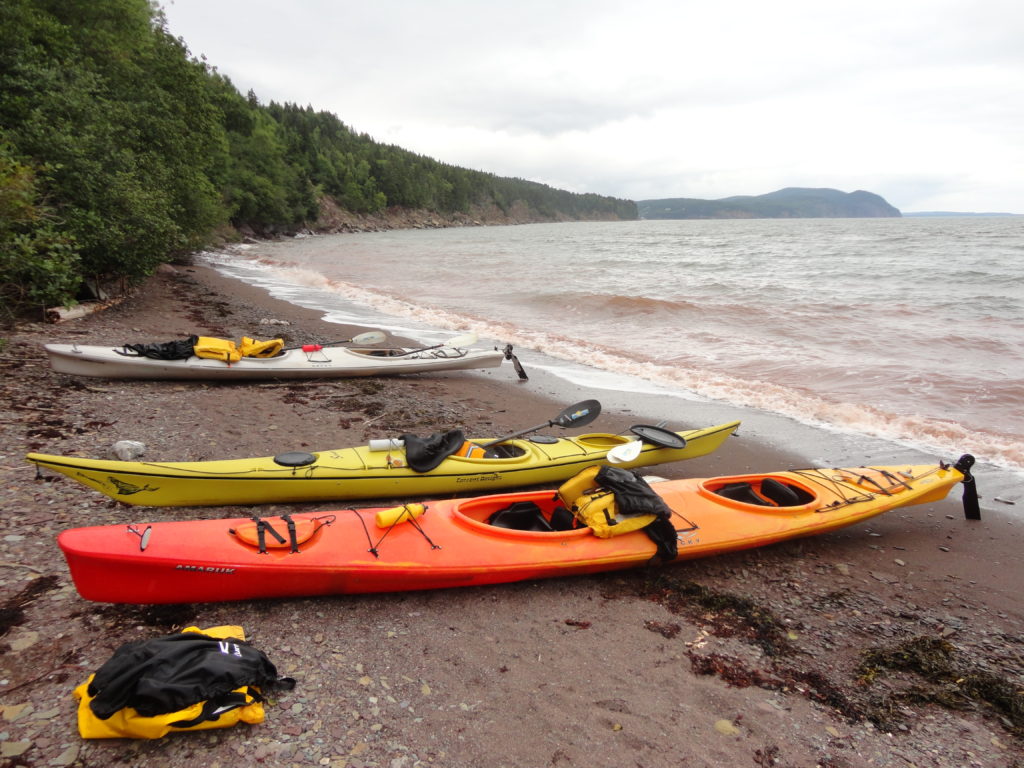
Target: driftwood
(63, 314)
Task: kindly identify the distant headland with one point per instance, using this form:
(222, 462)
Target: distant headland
(788, 203)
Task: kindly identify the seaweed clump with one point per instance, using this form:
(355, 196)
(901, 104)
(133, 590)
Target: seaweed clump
(952, 682)
(12, 611)
(726, 614)
(123, 617)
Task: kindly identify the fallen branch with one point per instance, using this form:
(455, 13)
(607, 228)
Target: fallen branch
(19, 565)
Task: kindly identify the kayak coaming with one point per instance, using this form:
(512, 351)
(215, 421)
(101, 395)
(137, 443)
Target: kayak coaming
(359, 473)
(328, 362)
(451, 545)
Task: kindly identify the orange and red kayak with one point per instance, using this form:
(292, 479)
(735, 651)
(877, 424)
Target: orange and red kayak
(458, 543)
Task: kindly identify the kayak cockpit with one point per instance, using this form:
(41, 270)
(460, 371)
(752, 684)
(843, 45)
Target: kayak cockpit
(758, 491)
(412, 354)
(535, 515)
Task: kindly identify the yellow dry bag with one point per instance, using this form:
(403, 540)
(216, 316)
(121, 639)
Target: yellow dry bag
(151, 673)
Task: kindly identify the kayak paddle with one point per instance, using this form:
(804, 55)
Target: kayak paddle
(459, 341)
(577, 415)
(370, 337)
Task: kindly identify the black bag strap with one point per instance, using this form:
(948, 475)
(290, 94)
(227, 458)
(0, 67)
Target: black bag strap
(218, 705)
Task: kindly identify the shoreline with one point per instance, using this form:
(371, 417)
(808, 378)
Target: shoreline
(600, 670)
(786, 426)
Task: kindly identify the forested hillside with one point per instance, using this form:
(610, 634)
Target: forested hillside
(120, 150)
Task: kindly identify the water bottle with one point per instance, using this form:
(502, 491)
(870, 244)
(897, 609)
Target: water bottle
(386, 444)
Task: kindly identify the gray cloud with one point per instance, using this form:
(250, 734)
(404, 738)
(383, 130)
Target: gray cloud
(917, 101)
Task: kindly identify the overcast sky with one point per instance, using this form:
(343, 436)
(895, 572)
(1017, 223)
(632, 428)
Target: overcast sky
(920, 101)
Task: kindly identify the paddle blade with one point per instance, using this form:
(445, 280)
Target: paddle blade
(370, 337)
(624, 452)
(461, 341)
(578, 415)
(663, 438)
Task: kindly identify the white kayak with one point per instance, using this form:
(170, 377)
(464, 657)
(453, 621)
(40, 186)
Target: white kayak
(326, 362)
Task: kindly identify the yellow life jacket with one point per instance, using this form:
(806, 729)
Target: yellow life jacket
(217, 349)
(596, 508)
(253, 348)
(244, 704)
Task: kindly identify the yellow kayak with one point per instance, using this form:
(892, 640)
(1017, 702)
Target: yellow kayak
(361, 473)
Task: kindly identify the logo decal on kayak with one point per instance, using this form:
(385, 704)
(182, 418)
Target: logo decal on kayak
(489, 478)
(202, 568)
(127, 489)
(687, 538)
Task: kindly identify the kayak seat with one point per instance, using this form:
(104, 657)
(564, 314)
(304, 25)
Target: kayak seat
(771, 493)
(521, 516)
(742, 492)
(294, 459)
(562, 519)
(784, 495)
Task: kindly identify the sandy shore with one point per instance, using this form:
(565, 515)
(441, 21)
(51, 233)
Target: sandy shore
(758, 658)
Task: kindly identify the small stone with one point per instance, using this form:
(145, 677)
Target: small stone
(899, 562)
(14, 748)
(129, 450)
(13, 711)
(67, 757)
(726, 728)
